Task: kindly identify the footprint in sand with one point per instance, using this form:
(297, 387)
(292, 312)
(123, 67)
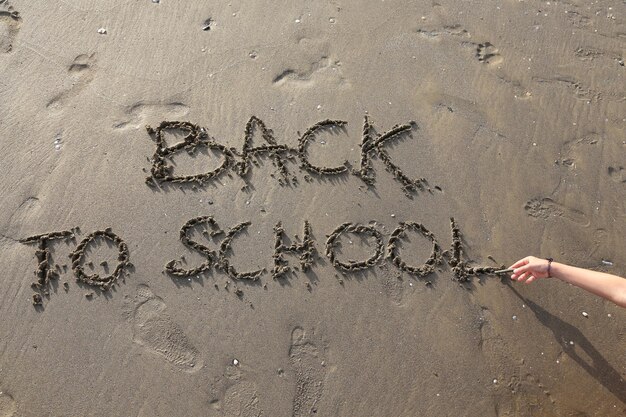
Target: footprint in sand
(391, 284)
(488, 54)
(577, 88)
(523, 393)
(81, 72)
(155, 330)
(452, 30)
(617, 174)
(577, 19)
(139, 114)
(242, 400)
(308, 364)
(8, 406)
(491, 342)
(308, 74)
(544, 208)
(10, 23)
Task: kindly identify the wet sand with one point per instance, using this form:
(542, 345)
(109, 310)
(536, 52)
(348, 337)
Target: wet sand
(249, 209)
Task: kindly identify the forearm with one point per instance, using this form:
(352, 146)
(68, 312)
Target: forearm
(610, 287)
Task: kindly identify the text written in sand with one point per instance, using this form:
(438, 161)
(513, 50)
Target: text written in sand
(219, 257)
(196, 139)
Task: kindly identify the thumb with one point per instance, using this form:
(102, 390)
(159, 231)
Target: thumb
(522, 269)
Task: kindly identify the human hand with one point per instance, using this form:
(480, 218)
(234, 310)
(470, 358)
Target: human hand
(529, 269)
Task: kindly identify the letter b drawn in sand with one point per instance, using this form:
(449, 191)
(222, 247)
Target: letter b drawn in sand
(195, 139)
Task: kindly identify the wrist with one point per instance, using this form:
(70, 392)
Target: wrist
(549, 269)
(555, 270)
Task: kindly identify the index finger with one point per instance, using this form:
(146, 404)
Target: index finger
(521, 262)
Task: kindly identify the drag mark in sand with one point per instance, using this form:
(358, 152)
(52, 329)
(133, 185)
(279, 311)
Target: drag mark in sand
(155, 330)
(577, 19)
(308, 364)
(196, 137)
(591, 54)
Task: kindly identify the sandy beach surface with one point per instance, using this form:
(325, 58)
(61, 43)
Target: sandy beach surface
(243, 208)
